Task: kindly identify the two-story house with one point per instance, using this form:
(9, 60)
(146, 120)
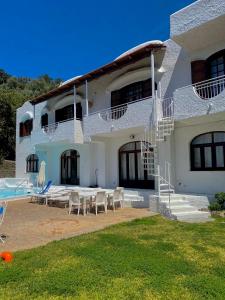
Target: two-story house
(152, 119)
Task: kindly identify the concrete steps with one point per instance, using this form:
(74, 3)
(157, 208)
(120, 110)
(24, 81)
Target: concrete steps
(182, 208)
(132, 198)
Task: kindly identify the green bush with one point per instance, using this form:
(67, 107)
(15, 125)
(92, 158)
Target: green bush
(214, 206)
(220, 198)
(219, 202)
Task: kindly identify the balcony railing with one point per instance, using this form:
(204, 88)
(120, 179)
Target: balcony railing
(116, 112)
(130, 115)
(51, 128)
(210, 88)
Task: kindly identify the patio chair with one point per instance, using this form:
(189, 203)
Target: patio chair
(74, 201)
(100, 200)
(42, 194)
(3, 206)
(117, 197)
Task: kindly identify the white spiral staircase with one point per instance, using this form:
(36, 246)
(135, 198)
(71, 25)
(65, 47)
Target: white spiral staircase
(160, 126)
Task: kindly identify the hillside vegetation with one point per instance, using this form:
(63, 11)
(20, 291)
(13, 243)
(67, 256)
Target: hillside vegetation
(14, 91)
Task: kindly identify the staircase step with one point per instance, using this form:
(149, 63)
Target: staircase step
(167, 191)
(182, 208)
(194, 216)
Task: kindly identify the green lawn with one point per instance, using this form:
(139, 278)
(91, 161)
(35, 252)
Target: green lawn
(152, 258)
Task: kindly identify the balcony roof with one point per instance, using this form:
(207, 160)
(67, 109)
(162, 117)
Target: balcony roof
(125, 59)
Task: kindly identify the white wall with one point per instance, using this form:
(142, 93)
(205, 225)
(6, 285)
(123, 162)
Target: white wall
(206, 182)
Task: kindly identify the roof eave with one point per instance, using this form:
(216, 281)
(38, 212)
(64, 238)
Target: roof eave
(106, 69)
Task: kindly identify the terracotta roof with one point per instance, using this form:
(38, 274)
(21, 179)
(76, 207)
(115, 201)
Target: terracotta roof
(106, 69)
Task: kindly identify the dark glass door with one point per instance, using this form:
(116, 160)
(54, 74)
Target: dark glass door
(70, 167)
(131, 169)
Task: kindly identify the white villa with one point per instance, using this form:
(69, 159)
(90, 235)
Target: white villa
(152, 120)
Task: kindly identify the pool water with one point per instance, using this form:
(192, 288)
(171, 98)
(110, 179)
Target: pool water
(7, 193)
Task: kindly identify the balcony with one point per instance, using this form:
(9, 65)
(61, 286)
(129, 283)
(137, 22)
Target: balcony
(65, 131)
(199, 25)
(129, 115)
(200, 99)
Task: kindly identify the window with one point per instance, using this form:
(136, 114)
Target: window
(132, 92)
(26, 128)
(44, 120)
(208, 152)
(32, 163)
(216, 64)
(67, 113)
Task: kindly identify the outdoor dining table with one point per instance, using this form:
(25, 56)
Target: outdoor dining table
(85, 195)
(88, 195)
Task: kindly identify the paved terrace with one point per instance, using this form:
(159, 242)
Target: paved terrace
(28, 225)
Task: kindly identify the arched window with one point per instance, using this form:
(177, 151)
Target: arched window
(70, 167)
(216, 64)
(208, 152)
(131, 169)
(26, 124)
(32, 163)
(211, 69)
(44, 120)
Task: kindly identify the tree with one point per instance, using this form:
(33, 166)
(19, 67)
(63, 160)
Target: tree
(3, 76)
(13, 93)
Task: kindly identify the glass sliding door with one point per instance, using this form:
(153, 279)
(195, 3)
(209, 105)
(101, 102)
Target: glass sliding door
(70, 167)
(131, 170)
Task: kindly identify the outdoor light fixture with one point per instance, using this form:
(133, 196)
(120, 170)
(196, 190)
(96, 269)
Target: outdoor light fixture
(132, 136)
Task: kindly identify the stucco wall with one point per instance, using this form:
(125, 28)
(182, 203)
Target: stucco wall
(206, 182)
(196, 14)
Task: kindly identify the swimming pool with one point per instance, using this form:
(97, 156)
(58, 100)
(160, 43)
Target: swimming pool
(9, 193)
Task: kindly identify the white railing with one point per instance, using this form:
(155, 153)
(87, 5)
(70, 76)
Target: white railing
(168, 107)
(51, 128)
(116, 112)
(210, 88)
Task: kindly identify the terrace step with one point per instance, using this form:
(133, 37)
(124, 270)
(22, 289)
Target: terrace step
(183, 208)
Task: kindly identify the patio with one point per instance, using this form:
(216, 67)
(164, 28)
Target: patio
(28, 225)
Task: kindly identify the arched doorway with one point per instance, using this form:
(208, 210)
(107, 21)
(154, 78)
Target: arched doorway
(70, 167)
(131, 169)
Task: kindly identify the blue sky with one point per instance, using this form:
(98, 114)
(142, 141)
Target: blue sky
(68, 38)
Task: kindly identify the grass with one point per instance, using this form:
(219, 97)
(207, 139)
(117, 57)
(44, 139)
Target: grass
(151, 258)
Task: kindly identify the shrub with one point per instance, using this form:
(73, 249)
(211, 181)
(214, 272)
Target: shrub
(220, 198)
(218, 203)
(214, 206)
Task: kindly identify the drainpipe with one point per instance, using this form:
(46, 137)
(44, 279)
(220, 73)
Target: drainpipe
(86, 94)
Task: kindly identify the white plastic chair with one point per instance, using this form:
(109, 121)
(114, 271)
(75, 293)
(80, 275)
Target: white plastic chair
(74, 201)
(100, 200)
(3, 206)
(117, 197)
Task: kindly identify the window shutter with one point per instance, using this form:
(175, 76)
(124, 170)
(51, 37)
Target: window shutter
(198, 71)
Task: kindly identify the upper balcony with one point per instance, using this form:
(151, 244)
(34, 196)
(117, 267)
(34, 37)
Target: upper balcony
(199, 99)
(65, 131)
(199, 25)
(125, 116)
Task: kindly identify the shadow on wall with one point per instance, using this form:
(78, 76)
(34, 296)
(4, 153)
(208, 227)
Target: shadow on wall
(181, 74)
